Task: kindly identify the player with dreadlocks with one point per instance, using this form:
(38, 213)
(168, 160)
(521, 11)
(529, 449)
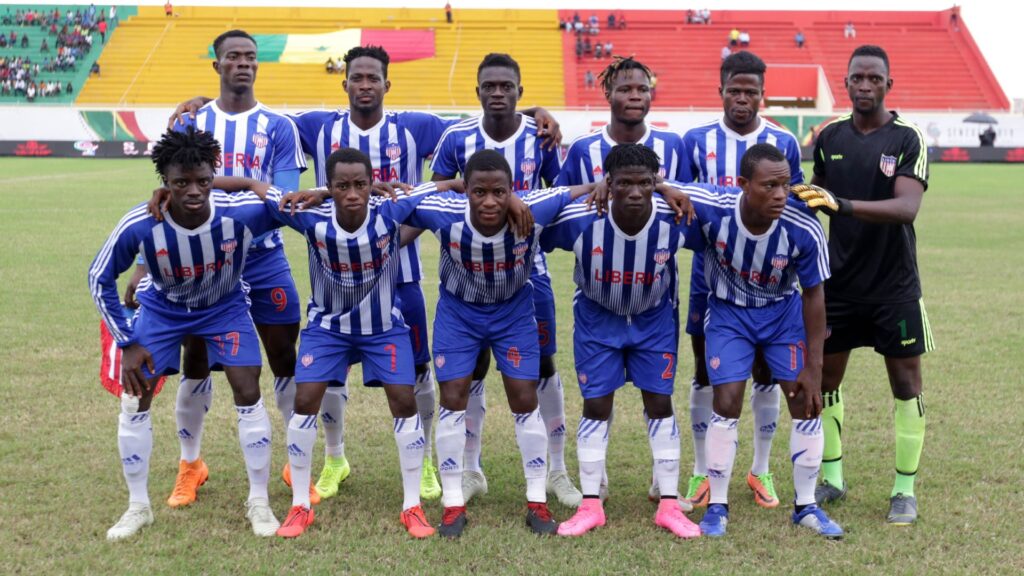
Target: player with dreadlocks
(627, 87)
(195, 255)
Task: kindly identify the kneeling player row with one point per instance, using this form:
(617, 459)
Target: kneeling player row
(760, 246)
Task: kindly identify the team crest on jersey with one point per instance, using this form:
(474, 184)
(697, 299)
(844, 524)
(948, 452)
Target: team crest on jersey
(383, 241)
(527, 166)
(228, 246)
(662, 256)
(888, 165)
(393, 151)
(715, 362)
(582, 377)
(520, 248)
(260, 139)
(779, 262)
(439, 361)
(307, 360)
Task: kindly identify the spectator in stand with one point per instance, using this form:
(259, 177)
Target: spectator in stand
(24, 40)
(448, 12)
(849, 31)
(622, 20)
(608, 49)
(329, 65)
(14, 38)
(654, 85)
(3, 40)
(112, 15)
(726, 52)
(689, 16)
(799, 38)
(705, 16)
(68, 90)
(168, 9)
(579, 48)
(102, 29)
(611, 21)
(588, 80)
(95, 69)
(734, 37)
(744, 39)
(954, 18)
(578, 27)
(575, 17)
(987, 138)
(30, 94)
(44, 47)
(598, 50)
(594, 27)
(586, 46)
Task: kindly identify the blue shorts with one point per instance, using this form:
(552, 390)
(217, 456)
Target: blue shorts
(325, 356)
(227, 328)
(271, 287)
(508, 328)
(611, 349)
(544, 312)
(414, 311)
(733, 333)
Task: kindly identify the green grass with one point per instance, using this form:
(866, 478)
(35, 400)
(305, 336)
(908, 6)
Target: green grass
(62, 485)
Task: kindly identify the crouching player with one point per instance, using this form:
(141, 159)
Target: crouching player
(353, 317)
(195, 257)
(626, 324)
(486, 302)
(758, 248)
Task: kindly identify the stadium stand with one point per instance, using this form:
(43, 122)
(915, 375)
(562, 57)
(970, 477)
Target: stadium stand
(72, 46)
(922, 46)
(152, 59)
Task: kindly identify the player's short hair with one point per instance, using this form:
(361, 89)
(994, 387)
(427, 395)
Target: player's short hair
(620, 64)
(742, 62)
(498, 60)
(755, 154)
(631, 156)
(231, 34)
(378, 53)
(487, 161)
(869, 50)
(348, 156)
(189, 149)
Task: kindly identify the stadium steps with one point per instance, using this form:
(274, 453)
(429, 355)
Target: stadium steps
(154, 60)
(688, 72)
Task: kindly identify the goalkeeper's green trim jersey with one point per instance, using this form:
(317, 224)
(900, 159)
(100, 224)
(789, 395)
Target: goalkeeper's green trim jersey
(871, 263)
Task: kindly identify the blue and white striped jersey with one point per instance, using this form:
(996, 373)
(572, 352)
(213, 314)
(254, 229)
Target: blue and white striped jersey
(751, 270)
(353, 275)
(482, 269)
(397, 146)
(584, 160)
(626, 275)
(533, 167)
(254, 144)
(713, 153)
(188, 269)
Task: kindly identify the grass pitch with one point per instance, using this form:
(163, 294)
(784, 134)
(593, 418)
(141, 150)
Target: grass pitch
(62, 486)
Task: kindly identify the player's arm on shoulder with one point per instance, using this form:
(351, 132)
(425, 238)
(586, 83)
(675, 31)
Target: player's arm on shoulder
(678, 200)
(186, 111)
(547, 127)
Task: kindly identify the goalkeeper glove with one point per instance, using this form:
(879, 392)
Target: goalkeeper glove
(818, 197)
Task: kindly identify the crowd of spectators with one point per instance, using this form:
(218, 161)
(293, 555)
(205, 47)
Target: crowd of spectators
(69, 38)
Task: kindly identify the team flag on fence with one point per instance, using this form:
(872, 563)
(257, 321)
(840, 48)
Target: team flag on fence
(401, 45)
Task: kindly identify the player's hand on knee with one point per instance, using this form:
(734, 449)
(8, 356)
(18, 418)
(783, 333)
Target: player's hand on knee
(818, 197)
(133, 358)
(808, 383)
(520, 217)
(159, 202)
(188, 107)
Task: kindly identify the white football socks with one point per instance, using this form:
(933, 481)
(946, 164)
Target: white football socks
(721, 454)
(591, 451)
(806, 445)
(195, 397)
(410, 441)
(332, 415)
(425, 402)
(255, 439)
(533, 447)
(701, 402)
(476, 410)
(135, 444)
(301, 439)
(764, 403)
(552, 410)
(451, 448)
(663, 435)
(284, 395)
